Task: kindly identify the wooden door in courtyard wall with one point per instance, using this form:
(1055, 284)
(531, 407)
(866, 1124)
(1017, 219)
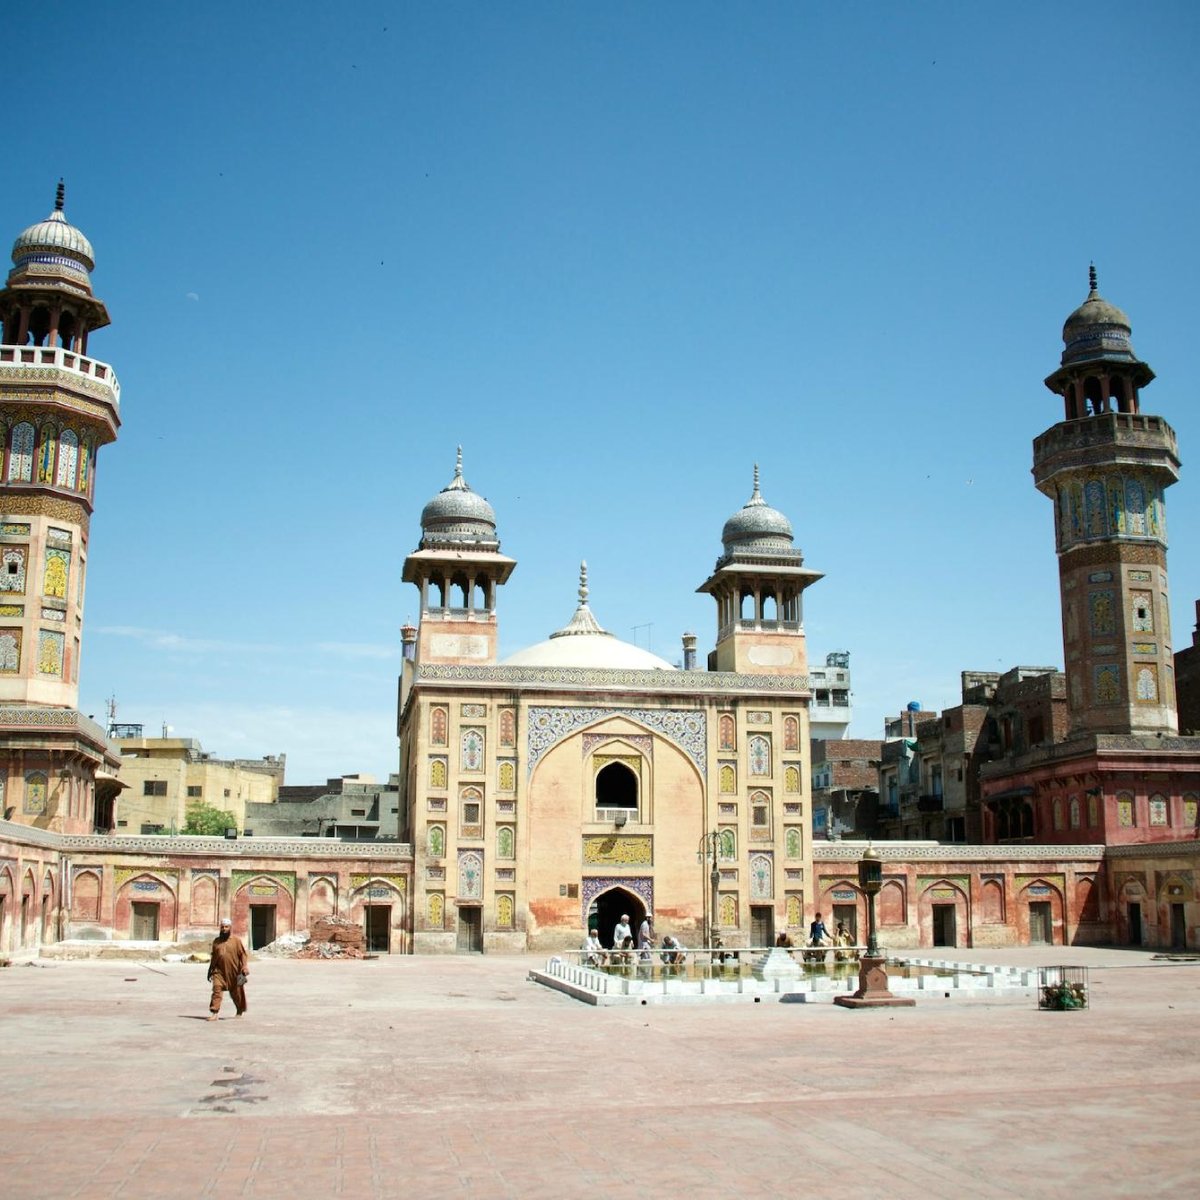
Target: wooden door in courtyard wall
(143, 926)
(762, 925)
(470, 931)
(1040, 923)
(262, 925)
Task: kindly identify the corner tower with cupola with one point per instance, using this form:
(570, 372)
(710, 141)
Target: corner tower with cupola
(58, 406)
(758, 584)
(458, 567)
(1106, 467)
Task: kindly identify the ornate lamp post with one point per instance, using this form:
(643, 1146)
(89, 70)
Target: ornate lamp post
(708, 846)
(872, 972)
(870, 879)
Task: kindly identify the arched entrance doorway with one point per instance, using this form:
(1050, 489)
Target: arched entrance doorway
(608, 908)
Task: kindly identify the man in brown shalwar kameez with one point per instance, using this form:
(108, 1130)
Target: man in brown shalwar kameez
(228, 969)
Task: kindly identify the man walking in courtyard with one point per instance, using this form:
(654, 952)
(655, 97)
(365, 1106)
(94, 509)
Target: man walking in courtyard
(228, 969)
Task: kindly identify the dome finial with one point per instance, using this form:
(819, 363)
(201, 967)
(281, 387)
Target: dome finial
(1091, 279)
(458, 463)
(583, 584)
(60, 196)
(756, 497)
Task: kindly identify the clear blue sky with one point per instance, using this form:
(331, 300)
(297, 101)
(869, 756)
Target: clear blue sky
(620, 252)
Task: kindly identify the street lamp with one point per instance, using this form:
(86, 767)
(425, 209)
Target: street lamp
(872, 971)
(870, 879)
(708, 846)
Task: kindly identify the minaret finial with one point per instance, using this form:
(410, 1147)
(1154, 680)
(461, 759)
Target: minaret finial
(583, 584)
(60, 196)
(1092, 278)
(458, 463)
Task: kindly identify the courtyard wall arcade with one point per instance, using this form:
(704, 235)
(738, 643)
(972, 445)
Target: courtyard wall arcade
(56, 887)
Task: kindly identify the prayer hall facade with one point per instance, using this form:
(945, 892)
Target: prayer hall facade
(582, 778)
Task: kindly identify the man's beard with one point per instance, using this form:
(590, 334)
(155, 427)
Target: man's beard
(223, 936)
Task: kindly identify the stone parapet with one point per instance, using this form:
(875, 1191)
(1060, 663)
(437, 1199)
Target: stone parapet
(603, 679)
(950, 852)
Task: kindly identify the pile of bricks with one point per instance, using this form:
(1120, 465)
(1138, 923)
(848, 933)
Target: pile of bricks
(334, 937)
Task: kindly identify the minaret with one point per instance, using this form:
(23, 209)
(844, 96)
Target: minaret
(458, 567)
(1106, 466)
(59, 406)
(758, 584)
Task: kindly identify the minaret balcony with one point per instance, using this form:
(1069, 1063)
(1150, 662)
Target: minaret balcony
(750, 625)
(17, 361)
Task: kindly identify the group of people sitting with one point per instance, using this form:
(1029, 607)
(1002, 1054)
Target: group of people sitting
(624, 951)
(819, 938)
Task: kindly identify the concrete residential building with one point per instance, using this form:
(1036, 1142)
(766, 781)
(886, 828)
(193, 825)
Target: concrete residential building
(350, 808)
(162, 776)
(845, 787)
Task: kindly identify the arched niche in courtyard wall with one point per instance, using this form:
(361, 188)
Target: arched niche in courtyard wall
(379, 904)
(263, 908)
(1040, 912)
(204, 901)
(944, 914)
(146, 908)
(85, 896)
(322, 898)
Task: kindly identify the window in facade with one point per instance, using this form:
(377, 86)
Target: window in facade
(1058, 814)
(617, 788)
(791, 733)
(438, 727)
(436, 841)
(505, 842)
(508, 727)
(727, 732)
(154, 787)
(472, 750)
(435, 908)
(760, 755)
(194, 791)
(504, 911)
(794, 844)
(437, 773)
(1093, 811)
(1158, 810)
(728, 780)
(1189, 809)
(791, 779)
(1125, 813)
(728, 845)
(1074, 812)
(508, 776)
(760, 811)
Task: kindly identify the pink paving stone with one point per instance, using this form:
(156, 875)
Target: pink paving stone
(372, 1079)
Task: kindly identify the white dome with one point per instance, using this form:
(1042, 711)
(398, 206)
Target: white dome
(582, 643)
(588, 650)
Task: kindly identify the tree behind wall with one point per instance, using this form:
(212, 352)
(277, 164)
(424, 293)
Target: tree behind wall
(206, 821)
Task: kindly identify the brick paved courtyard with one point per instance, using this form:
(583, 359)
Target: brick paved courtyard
(442, 1077)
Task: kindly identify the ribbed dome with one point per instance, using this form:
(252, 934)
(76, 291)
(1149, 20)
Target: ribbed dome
(1096, 329)
(757, 524)
(583, 643)
(457, 514)
(55, 240)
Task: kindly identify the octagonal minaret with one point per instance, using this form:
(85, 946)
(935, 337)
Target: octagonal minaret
(1106, 467)
(58, 407)
(758, 584)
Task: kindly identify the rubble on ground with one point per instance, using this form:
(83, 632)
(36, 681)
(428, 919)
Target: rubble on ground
(328, 937)
(333, 937)
(286, 946)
